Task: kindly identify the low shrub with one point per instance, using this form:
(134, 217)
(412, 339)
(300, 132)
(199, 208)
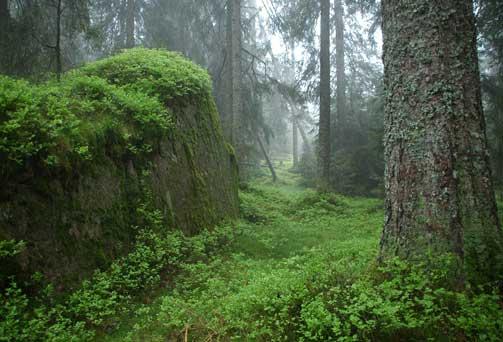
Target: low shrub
(102, 300)
(310, 302)
(75, 123)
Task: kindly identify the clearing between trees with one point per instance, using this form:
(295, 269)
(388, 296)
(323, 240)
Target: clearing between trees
(300, 266)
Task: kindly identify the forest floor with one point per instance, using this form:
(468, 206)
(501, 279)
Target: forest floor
(288, 238)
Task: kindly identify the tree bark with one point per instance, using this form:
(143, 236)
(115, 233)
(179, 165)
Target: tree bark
(267, 159)
(324, 124)
(130, 24)
(295, 142)
(227, 113)
(236, 75)
(4, 14)
(439, 193)
(4, 29)
(57, 46)
(304, 138)
(295, 134)
(341, 120)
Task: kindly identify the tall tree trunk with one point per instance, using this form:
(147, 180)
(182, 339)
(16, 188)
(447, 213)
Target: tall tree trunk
(4, 35)
(227, 115)
(4, 15)
(324, 125)
(341, 120)
(295, 138)
(295, 142)
(130, 24)
(305, 140)
(57, 46)
(236, 76)
(267, 159)
(439, 193)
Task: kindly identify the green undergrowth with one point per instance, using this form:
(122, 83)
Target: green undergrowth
(159, 73)
(33, 311)
(115, 108)
(298, 266)
(302, 267)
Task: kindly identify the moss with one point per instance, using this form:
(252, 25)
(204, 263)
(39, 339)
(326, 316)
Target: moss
(160, 73)
(439, 193)
(80, 156)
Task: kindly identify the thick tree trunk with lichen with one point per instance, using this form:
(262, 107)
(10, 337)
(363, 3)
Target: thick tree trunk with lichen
(439, 195)
(324, 125)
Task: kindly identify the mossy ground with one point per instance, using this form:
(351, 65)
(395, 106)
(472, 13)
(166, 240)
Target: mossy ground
(287, 233)
(302, 267)
(297, 266)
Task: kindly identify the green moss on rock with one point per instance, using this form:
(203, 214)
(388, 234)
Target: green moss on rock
(79, 156)
(160, 73)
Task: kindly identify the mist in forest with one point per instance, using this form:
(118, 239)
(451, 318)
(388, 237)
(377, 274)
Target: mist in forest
(251, 170)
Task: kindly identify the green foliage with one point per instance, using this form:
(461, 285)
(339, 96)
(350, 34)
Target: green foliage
(308, 168)
(159, 73)
(302, 269)
(313, 206)
(10, 248)
(107, 295)
(75, 122)
(20, 321)
(299, 267)
(253, 206)
(111, 108)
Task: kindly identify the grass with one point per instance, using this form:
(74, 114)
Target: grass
(288, 237)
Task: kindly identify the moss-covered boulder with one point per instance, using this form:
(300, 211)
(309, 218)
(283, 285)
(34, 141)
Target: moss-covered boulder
(79, 159)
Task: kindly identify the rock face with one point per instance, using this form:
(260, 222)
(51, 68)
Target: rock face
(135, 128)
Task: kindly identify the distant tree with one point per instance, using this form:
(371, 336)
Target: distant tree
(295, 131)
(226, 107)
(295, 142)
(4, 27)
(58, 17)
(493, 91)
(130, 23)
(4, 14)
(340, 98)
(116, 21)
(236, 75)
(490, 17)
(439, 192)
(324, 154)
(50, 32)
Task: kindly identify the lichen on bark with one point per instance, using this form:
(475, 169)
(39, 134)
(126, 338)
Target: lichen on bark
(439, 194)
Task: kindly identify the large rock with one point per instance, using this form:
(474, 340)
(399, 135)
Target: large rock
(82, 160)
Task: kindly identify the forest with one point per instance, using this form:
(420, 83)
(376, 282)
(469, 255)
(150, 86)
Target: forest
(251, 170)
